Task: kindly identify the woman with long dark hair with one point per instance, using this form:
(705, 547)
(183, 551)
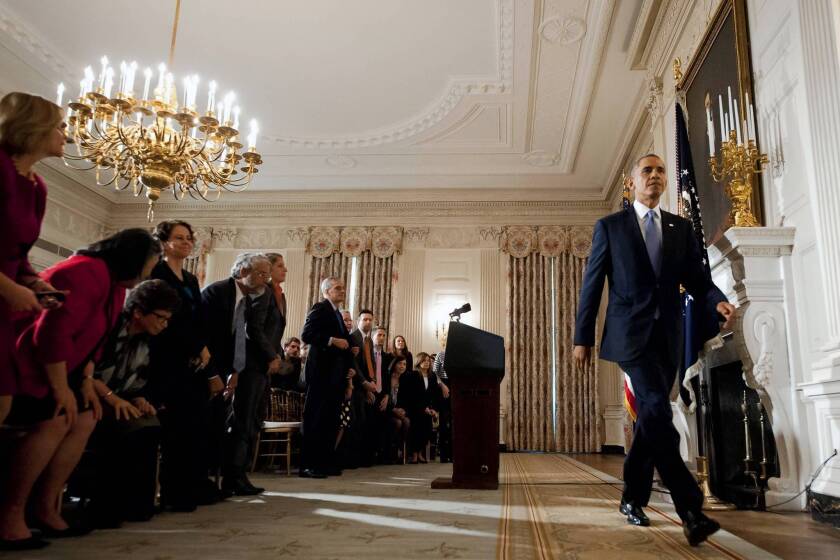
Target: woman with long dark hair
(398, 425)
(399, 347)
(56, 399)
(180, 383)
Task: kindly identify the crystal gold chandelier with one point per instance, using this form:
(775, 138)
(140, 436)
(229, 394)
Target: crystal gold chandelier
(152, 143)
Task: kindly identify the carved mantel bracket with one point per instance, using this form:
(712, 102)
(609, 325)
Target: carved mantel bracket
(750, 266)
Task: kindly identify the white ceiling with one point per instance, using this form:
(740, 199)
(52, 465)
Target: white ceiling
(374, 94)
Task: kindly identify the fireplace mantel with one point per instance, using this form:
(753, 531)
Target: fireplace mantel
(752, 266)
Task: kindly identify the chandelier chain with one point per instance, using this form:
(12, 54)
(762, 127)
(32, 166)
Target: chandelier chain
(174, 32)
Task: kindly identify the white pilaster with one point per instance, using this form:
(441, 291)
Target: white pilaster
(822, 79)
(295, 288)
(408, 320)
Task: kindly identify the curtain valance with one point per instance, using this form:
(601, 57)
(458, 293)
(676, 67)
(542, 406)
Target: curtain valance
(548, 241)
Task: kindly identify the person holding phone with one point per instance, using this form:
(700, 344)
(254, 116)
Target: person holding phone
(31, 129)
(56, 400)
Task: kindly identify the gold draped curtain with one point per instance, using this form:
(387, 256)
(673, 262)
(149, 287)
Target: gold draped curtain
(376, 248)
(554, 406)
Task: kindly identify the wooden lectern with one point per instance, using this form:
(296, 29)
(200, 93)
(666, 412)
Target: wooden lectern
(475, 364)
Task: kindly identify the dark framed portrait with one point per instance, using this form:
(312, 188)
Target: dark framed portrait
(721, 61)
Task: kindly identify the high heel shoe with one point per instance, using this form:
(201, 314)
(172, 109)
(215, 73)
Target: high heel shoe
(16, 545)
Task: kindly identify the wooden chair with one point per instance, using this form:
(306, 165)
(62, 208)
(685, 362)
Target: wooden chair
(285, 412)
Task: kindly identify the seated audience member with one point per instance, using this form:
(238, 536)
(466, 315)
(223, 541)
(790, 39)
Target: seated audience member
(347, 317)
(56, 399)
(31, 129)
(399, 347)
(288, 378)
(397, 424)
(419, 394)
(125, 442)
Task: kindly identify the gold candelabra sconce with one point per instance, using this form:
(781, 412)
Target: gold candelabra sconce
(736, 166)
(739, 159)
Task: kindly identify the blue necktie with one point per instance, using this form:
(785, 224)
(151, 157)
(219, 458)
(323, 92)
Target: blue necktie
(340, 321)
(653, 242)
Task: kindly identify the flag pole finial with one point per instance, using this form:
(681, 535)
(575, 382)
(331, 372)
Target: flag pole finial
(677, 71)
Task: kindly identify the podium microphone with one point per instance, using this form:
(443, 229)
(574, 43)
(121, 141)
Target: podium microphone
(456, 313)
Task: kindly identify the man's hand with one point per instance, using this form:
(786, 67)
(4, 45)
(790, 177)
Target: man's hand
(371, 397)
(231, 384)
(728, 311)
(204, 358)
(215, 385)
(444, 390)
(339, 343)
(274, 365)
(582, 355)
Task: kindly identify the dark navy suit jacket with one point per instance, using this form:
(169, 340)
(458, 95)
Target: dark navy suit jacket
(619, 255)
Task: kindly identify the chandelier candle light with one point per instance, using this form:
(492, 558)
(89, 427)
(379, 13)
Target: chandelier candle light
(740, 158)
(150, 142)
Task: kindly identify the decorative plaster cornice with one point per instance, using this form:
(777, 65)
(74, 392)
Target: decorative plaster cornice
(13, 27)
(493, 212)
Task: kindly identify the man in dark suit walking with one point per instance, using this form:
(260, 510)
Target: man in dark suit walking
(239, 318)
(646, 254)
(328, 364)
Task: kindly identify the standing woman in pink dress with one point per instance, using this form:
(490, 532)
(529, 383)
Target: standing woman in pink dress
(31, 129)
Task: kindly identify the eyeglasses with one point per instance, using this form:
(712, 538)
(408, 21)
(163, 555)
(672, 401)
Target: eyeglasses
(264, 275)
(161, 317)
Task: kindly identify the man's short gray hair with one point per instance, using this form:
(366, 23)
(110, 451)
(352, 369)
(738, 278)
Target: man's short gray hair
(327, 284)
(246, 261)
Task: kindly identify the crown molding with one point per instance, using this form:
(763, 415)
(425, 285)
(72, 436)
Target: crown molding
(415, 213)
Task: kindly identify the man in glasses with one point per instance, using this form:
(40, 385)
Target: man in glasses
(239, 318)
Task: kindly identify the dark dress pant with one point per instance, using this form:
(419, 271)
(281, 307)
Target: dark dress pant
(245, 423)
(126, 454)
(320, 428)
(655, 439)
(184, 439)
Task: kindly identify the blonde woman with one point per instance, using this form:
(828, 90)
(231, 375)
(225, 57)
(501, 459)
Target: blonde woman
(31, 129)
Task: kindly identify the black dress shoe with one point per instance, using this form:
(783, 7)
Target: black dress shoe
(17, 545)
(697, 527)
(70, 532)
(178, 504)
(635, 514)
(254, 489)
(240, 488)
(309, 473)
(334, 472)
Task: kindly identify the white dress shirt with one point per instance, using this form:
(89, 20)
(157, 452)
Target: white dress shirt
(641, 214)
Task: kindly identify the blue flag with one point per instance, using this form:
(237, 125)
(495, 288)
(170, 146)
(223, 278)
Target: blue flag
(698, 328)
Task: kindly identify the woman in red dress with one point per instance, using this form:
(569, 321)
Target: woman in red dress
(31, 129)
(55, 398)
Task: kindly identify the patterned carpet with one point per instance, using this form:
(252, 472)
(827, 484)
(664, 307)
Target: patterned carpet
(549, 506)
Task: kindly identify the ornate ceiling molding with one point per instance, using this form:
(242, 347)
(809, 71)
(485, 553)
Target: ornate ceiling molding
(456, 89)
(14, 28)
